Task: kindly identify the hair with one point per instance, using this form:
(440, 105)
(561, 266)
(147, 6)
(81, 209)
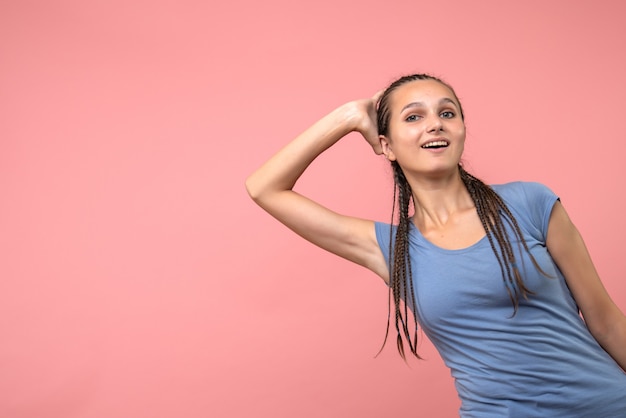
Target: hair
(493, 214)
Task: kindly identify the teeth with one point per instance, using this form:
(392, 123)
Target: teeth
(435, 144)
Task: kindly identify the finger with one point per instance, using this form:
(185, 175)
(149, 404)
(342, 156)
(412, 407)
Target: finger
(377, 95)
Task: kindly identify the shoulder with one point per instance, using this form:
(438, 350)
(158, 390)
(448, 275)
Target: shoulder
(523, 190)
(526, 195)
(530, 202)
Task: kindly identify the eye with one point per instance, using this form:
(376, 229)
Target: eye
(411, 118)
(447, 114)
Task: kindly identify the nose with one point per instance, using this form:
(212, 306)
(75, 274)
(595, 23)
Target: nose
(434, 123)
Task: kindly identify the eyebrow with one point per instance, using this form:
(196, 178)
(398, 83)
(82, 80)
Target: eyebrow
(421, 104)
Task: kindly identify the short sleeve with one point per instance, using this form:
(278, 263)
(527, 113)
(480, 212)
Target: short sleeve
(382, 236)
(531, 203)
(541, 201)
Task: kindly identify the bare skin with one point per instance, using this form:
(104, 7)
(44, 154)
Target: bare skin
(421, 112)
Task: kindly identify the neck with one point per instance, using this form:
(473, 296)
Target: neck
(437, 199)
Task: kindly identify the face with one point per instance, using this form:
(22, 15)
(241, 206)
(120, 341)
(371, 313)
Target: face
(426, 133)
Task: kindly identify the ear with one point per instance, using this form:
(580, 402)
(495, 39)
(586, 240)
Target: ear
(385, 144)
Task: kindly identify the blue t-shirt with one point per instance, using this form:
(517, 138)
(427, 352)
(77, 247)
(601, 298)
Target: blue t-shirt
(540, 362)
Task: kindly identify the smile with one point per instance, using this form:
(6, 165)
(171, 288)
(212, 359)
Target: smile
(440, 143)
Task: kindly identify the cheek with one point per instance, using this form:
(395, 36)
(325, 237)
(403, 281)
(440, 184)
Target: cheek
(460, 132)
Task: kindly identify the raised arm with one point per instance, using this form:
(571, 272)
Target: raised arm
(271, 188)
(603, 318)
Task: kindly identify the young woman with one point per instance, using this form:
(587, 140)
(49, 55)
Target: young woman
(495, 276)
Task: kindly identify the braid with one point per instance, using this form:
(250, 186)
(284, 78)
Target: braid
(492, 212)
(400, 283)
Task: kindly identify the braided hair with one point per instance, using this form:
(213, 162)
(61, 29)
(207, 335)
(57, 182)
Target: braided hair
(493, 214)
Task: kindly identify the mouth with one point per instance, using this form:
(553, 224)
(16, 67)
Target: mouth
(436, 144)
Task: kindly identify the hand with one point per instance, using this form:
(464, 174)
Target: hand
(367, 124)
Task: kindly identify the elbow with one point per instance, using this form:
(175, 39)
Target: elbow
(252, 188)
(262, 189)
(257, 189)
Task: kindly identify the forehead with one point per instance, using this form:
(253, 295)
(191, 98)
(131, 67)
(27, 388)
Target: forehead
(425, 91)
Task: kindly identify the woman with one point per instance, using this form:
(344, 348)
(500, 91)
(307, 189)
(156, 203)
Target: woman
(495, 276)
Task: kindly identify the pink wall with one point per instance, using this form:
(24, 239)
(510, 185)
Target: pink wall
(136, 277)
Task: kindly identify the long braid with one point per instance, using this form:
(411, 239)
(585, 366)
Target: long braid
(400, 285)
(492, 212)
(486, 202)
(400, 280)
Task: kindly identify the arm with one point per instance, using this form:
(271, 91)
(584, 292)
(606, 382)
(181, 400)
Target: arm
(271, 188)
(603, 318)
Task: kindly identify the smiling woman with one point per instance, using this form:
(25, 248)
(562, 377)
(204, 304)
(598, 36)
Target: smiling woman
(494, 275)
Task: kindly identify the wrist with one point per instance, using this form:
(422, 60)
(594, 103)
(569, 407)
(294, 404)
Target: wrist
(349, 116)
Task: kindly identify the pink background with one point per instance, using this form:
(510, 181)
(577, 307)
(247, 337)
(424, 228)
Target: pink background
(136, 277)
